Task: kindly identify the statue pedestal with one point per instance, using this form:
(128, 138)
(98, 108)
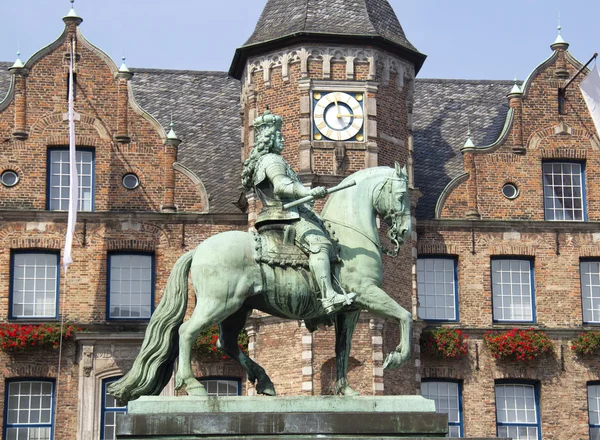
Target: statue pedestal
(322, 417)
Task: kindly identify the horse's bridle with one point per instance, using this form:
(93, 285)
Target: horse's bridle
(390, 216)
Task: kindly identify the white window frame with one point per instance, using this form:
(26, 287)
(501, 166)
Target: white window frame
(59, 179)
(27, 414)
(590, 291)
(437, 288)
(517, 411)
(447, 395)
(122, 291)
(513, 292)
(564, 191)
(34, 284)
(221, 386)
(109, 407)
(593, 392)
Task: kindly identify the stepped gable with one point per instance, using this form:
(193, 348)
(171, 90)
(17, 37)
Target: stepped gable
(206, 113)
(443, 109)
(338, 20)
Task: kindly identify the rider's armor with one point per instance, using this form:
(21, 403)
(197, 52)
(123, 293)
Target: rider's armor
(268, 166)
(309, 227)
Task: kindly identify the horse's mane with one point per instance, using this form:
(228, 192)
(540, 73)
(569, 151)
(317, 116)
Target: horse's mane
(359, 177)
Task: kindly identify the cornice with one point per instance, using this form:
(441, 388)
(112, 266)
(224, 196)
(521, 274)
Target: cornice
(111, 216)
(328, 54)
(507, 225)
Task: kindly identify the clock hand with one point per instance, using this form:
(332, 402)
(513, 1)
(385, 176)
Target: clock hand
(337, 107)
(349, 116)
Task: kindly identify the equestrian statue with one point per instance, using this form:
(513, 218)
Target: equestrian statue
(297, 264)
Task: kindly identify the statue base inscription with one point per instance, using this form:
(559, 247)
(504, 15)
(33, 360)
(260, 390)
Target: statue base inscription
(323, 417)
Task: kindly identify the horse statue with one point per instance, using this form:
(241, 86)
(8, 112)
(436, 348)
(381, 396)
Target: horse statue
(229, 284)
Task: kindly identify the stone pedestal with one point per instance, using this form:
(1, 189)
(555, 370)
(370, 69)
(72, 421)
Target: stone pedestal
(324, 417)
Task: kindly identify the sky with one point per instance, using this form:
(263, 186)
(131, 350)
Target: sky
(470, 39)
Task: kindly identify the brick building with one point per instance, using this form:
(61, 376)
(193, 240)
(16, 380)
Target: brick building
(504, 225)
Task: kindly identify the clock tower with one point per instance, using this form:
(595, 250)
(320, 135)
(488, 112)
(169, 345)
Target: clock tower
(341, 74)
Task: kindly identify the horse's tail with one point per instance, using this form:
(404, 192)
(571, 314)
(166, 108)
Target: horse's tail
(153, 366)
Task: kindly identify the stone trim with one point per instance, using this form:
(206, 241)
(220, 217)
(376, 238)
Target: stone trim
(452, 185)
(425, 225)
(240, 219)
(179, 167)
(436, 247)
(327, 55)
(508, 249)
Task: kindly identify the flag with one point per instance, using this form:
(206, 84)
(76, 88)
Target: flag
(73, 177)
(590, 87)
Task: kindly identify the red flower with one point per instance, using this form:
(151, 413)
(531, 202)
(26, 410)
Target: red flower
(444, 343)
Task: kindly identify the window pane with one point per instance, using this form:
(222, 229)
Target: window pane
(29, 403)
(594, 405)
(34, 285)
(110, 410)
(590, 291)
(217, 387)
(447, 400)
(516, 405)
(60, 180)
(437, 288)
(512, 291)
(130, 286)
(563, 191)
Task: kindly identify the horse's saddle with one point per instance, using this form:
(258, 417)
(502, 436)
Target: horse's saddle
(276, 245)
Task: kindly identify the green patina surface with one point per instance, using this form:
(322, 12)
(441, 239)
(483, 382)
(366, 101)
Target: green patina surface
(245, 404)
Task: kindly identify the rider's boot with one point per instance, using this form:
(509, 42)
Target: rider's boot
(320, 266)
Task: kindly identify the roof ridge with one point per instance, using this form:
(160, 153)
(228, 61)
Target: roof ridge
(178, 71)
(465, 81)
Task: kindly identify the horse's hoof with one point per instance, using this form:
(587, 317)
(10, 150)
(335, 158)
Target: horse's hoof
(178, 383)
(346, 391)
(196, 391)
(268, 390)
(395, 360)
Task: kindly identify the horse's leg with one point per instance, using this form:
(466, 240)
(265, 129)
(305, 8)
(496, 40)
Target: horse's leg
(377, 301)
(345, 323)
(229, 330)
(207, 313)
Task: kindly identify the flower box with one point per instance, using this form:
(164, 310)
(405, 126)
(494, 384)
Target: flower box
(587, 343)
(20, 337)
(444, 343)
(518, 345)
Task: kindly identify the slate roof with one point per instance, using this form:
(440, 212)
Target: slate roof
(206, 113)
(281, 18)
(4, 79)
(443, 109)
(206, 110)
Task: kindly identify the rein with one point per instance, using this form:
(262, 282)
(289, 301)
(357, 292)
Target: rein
(392, 233)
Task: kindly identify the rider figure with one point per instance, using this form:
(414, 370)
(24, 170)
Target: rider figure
(275, 183)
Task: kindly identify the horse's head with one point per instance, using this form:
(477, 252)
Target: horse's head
(392, 203)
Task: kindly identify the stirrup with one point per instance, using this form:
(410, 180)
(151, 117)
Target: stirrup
(338, 301)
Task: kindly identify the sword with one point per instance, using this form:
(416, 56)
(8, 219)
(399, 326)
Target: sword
(311, 198)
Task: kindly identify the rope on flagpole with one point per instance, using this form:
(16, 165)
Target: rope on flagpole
(61, 304)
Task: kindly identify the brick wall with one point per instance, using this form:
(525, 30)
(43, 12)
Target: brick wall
(516, 228)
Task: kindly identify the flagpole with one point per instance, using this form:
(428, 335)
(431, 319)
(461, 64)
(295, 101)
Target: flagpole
(580, 70)
(72, 215)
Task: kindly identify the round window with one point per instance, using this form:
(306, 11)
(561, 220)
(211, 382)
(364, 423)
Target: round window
(510, 191)
(9, 178)
(131, 181)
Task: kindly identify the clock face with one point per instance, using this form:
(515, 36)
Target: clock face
(338, 116)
